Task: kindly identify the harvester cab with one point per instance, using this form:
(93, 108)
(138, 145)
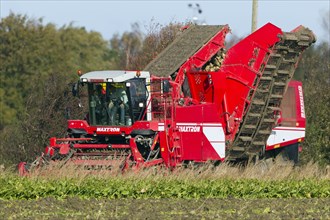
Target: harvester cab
(116, 98)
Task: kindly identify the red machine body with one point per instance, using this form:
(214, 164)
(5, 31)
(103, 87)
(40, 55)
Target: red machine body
(290, 129)
(195, 102)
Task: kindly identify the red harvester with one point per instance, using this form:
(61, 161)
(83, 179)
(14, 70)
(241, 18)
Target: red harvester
(195, 102)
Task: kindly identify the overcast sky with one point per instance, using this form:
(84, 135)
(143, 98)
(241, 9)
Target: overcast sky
(109, 17)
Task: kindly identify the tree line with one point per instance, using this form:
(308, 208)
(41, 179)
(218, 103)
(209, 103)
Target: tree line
(39, 61)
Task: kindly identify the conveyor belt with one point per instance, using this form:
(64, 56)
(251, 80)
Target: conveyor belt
(183, 47)
(260, 118)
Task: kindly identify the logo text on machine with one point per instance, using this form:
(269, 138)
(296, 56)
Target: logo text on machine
(107, 129)
(301, 99)
(189, 128)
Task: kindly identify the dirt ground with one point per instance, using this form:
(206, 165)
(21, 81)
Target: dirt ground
(76, 208)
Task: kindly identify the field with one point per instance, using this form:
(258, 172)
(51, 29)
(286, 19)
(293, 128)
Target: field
(275, 191)
(230, 208)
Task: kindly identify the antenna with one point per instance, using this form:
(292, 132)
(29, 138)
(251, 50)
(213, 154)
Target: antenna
(254, 15)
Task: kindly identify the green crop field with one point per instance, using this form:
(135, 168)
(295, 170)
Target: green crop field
(13, 188)
(278, 192)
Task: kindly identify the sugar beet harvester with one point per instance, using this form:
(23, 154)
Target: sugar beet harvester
(200, 103)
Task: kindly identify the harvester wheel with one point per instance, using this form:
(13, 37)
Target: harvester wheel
(288, 153)
(291, 153)
(264, 165)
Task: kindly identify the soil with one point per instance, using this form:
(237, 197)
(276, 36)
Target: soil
(77, 208)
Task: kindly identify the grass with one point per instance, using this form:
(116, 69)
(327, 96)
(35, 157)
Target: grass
(264, 170)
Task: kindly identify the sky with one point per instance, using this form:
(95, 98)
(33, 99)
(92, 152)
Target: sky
(110, 17)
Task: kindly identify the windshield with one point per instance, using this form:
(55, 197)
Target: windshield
(117, 104)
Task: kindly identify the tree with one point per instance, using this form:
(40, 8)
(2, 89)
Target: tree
(134, 50)
(315, 68)
(314, 72)
(23, 52)
(127, 46)
(38, 63)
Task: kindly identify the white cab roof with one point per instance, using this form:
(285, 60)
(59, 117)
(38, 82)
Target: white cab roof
(115, 75)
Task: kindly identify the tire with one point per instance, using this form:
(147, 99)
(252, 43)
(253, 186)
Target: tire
(290, 153)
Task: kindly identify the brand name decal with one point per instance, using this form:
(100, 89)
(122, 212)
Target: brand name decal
(301, 99)
(189, 128)
(107, 129)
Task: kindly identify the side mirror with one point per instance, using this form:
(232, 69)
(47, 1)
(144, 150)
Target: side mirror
(166, 86)
(75, 89)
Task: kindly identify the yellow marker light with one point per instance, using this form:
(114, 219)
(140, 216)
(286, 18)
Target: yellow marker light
(79, 72)
(297, 124)
(277, 146)
(299, 140)
(162, 149)
(138, 73)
